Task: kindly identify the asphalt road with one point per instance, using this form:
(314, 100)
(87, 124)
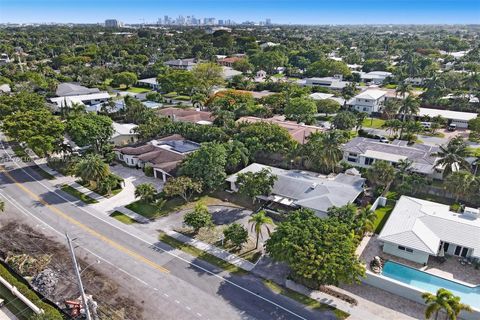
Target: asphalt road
(169, 284)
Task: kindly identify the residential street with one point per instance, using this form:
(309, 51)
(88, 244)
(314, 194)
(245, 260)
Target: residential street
(168, 283)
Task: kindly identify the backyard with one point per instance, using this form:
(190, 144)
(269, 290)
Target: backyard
(374, 123)
(382, 216)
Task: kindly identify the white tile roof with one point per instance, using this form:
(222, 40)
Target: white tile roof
(321, 96)
(68, 101)
(447, 114)
(372, 94)
(421, 225)
(123, 129)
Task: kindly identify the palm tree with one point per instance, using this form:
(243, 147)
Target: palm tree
(390, 108)
(452, 156)
(437, 302)
(403, 167)
(146, 192)
(393, 125)
(323, 150)
(365, 220)
(92, 169)
(258, 221)
(409, 106)
(458, 307)
(460, 183)
(403, 89)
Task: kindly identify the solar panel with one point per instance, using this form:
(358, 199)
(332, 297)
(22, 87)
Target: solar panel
(183, 146)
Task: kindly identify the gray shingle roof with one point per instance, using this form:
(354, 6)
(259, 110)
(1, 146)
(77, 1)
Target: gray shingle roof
(311, 190)
(73, 89)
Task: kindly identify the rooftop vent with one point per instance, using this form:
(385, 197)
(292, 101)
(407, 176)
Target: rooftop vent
(472, 212)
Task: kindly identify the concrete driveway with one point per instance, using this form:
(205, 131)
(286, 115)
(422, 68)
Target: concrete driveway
(136, 176)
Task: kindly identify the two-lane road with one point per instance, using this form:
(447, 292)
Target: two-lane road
(171, 284)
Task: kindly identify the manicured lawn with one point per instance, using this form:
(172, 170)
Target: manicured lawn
(170, 95)
(373, 123)
(145, 209)
(390, 86)
(122, 218)
(138, 90)
(200, 254)
(382, 216)
(475, 151)
(182, 98)
(87, 185)
(303, 299)
(77, 194)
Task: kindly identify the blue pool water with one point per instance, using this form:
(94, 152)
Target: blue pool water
(430, 283)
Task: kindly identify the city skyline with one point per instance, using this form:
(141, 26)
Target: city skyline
(281, 12)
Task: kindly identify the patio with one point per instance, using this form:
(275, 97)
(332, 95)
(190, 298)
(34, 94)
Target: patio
(451, 269)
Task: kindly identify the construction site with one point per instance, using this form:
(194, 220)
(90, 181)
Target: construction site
(47, 265)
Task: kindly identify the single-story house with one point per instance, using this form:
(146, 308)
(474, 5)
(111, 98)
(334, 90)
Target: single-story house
(182, 64)
(323, 96)
(228, 62)
(303, 189)
(460, 119)
(187, 115)
(299, 132)
(149, 83)
(418, 229)
(163, 155)
(363, 152)
(124, 134)
(73, 89)
(368, 101)
(229, 73)
(374, 77)
(84, 99)
(334, 83)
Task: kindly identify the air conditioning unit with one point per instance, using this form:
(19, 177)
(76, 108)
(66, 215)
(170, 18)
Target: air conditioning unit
(472, 212)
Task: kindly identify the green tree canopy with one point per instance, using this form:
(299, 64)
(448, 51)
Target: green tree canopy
(345, 120)
(236, 234)
(124, 78)
(90, 129)
(207, 76)
(327, 67)
(199, 217)
(206, 165)
(182, 186)
(320, 251)
(327, 106)
(253, 184)
(301, 109)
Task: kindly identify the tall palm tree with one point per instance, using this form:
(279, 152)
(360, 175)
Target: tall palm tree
(409, 106)
(460, 183)
(365, 220)
(323, 150)
(452, 156)
(437, 302)
(390, 108)
(258, 221)
(403, 167)
(92, 169)
(146, 192)
(403, 89)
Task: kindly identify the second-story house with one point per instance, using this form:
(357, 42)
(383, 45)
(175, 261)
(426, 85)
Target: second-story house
(182, 64)
(369, 101)
(363, 152)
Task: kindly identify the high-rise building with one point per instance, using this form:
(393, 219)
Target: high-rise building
(268, 21)
(112, 23)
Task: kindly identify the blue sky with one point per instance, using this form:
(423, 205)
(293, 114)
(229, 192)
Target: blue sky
(280, 11)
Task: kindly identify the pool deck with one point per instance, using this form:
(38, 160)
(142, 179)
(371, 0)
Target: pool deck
(5, 314)
(451, 269)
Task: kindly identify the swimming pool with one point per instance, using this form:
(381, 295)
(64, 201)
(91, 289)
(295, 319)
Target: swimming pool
(430, 283)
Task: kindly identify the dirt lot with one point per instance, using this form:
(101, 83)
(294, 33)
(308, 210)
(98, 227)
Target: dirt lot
(17, 239)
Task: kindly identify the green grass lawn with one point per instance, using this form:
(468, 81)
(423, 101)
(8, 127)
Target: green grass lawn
(145, 209)
(474, 151)
(182, 98)
(138, 90)
(170, 95)
(77, 194)
(390, 86)
(303, 299)
(200, 254)
(373, 123)
(122, 218)
(382, 216)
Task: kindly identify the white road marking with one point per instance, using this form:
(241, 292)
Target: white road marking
(148, 243)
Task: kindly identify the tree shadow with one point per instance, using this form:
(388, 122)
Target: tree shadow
(229, 215)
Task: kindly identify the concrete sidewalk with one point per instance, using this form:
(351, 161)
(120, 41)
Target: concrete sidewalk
(132, 214)
(213, 250)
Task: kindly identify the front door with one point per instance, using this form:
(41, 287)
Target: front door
(445, 246)
(464, 252)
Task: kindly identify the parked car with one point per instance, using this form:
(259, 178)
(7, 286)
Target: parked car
(452, 127)
(382, 139)
(426, 124)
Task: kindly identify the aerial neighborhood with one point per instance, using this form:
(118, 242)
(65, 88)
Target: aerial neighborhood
(207, 171)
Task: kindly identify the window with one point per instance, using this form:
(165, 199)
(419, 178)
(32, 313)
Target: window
(405, 249)
(368, 161)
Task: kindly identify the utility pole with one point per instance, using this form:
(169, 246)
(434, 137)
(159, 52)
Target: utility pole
(79, 278)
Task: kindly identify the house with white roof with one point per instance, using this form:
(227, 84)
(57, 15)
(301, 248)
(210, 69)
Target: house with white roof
(323, 96)
(374, 77)
(84, 99)
(363, 152)
(296, 189)
(368, 101)
(418, 229)
(334, 83)
(149, 83)
(124, 133)
(460, 119)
